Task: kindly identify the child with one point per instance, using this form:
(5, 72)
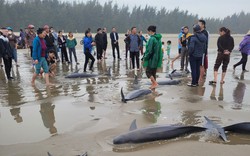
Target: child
(163, 49)
(168, 49)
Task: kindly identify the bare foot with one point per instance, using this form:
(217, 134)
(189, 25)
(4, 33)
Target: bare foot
(50, 84)
(33, 83)
(154, 86)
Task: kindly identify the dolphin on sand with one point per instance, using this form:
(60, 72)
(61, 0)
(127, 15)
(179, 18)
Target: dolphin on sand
(134, 94)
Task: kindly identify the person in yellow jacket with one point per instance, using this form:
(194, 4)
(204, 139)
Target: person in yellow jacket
(184, 49)
(153, 55)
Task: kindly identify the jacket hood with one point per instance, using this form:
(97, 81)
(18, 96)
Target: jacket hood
(157, 36)
(201, 37)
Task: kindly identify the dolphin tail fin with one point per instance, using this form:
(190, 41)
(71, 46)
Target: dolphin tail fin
(133, 125)
(173, 71)
(49, 154)
(170, 76)
(123, 97)
(220, 130)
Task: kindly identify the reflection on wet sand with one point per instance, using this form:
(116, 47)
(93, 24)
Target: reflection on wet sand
(152, 109)
(238, 95)
(213, 94)
(48, 117)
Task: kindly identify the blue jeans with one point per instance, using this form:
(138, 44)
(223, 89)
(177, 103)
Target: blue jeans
(72, 51)
(14, 53)
(195, 63)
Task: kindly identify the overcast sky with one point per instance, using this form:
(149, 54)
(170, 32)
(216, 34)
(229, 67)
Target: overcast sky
(204, 8)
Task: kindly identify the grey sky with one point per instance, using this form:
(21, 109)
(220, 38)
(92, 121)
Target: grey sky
(204, 8)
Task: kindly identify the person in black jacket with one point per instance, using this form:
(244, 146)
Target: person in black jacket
(50, 40)
(225, 45)
(114, 42)
(99, 44)
(62, 46)
(6, 52)
(105, 42)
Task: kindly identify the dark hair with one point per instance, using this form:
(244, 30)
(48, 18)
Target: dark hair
(185, 27)
(162, 42)
(3, 28)
(140, 31)
(39, 31)
(132, 28)
(50, 27)
(169, 42)
(226, 30)
(59, 31)
(99, 29)
(70, 33)
(203, 22)
(152, 28)
(51, 51)
(86, 32)
(21, 29)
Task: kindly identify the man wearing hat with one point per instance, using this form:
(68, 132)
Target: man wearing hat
(196, 49)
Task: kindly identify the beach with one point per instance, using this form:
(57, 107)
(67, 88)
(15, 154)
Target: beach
(84, 115)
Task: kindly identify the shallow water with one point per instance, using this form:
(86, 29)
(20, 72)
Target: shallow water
(32, 114)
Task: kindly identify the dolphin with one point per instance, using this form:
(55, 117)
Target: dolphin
(167, 82)
(175, 74)
(81, 75)
(84, 154)
(154, 133)
(134, 94)
(243, 128)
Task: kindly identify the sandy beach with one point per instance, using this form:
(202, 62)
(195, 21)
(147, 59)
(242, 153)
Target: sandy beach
(84, 115)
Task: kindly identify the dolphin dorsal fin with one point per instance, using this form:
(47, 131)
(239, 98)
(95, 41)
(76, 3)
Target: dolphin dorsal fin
(133, 125)
(218, 127)
(49, 154)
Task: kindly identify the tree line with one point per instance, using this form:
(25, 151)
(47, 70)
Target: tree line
(78, 16)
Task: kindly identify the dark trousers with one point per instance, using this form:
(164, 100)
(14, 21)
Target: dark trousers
(7, 66)
(195, 63)
(64, 54)
(72, 51)
(87, 57)
(115, 46)
(126, 50)
(31, 51)
(99, 51)
(134, 55)
(222, 59)
(243, 61)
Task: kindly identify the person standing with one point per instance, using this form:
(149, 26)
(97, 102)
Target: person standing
(127, 44)
(55, 35)
(71, 44)
(22, 38)
(87, 48)
(105, 42)
(134, 47)
(168, 49)
(99, 44)
(141, 43)
(62, 45)
(184, 49)
(245, 51)
(114, 43)
(30, 37)
(39, 56)
(13, 44)
(225, 46)
(50, 40)
(6, 52)
(153, 55)
(204, 65)
(179, 47)
(196, 50)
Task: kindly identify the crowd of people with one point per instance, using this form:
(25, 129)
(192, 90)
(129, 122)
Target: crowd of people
(44, 45)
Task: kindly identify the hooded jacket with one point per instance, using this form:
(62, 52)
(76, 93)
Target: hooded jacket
(5, 48)
(197, 45)
(37, 49)
(245, 45)
(153, 54)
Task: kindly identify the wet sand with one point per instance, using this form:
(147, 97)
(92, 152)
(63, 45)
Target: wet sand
(85, 114)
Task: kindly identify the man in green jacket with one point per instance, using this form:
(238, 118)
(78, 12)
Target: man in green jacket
(153, 55)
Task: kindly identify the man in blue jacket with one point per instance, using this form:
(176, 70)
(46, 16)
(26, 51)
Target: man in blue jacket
(39, 56)
(196, 49)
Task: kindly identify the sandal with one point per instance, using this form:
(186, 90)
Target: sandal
(212, 82)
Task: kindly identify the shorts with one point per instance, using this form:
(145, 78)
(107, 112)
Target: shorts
(105, 47)
(42, 64)
(151, 72)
